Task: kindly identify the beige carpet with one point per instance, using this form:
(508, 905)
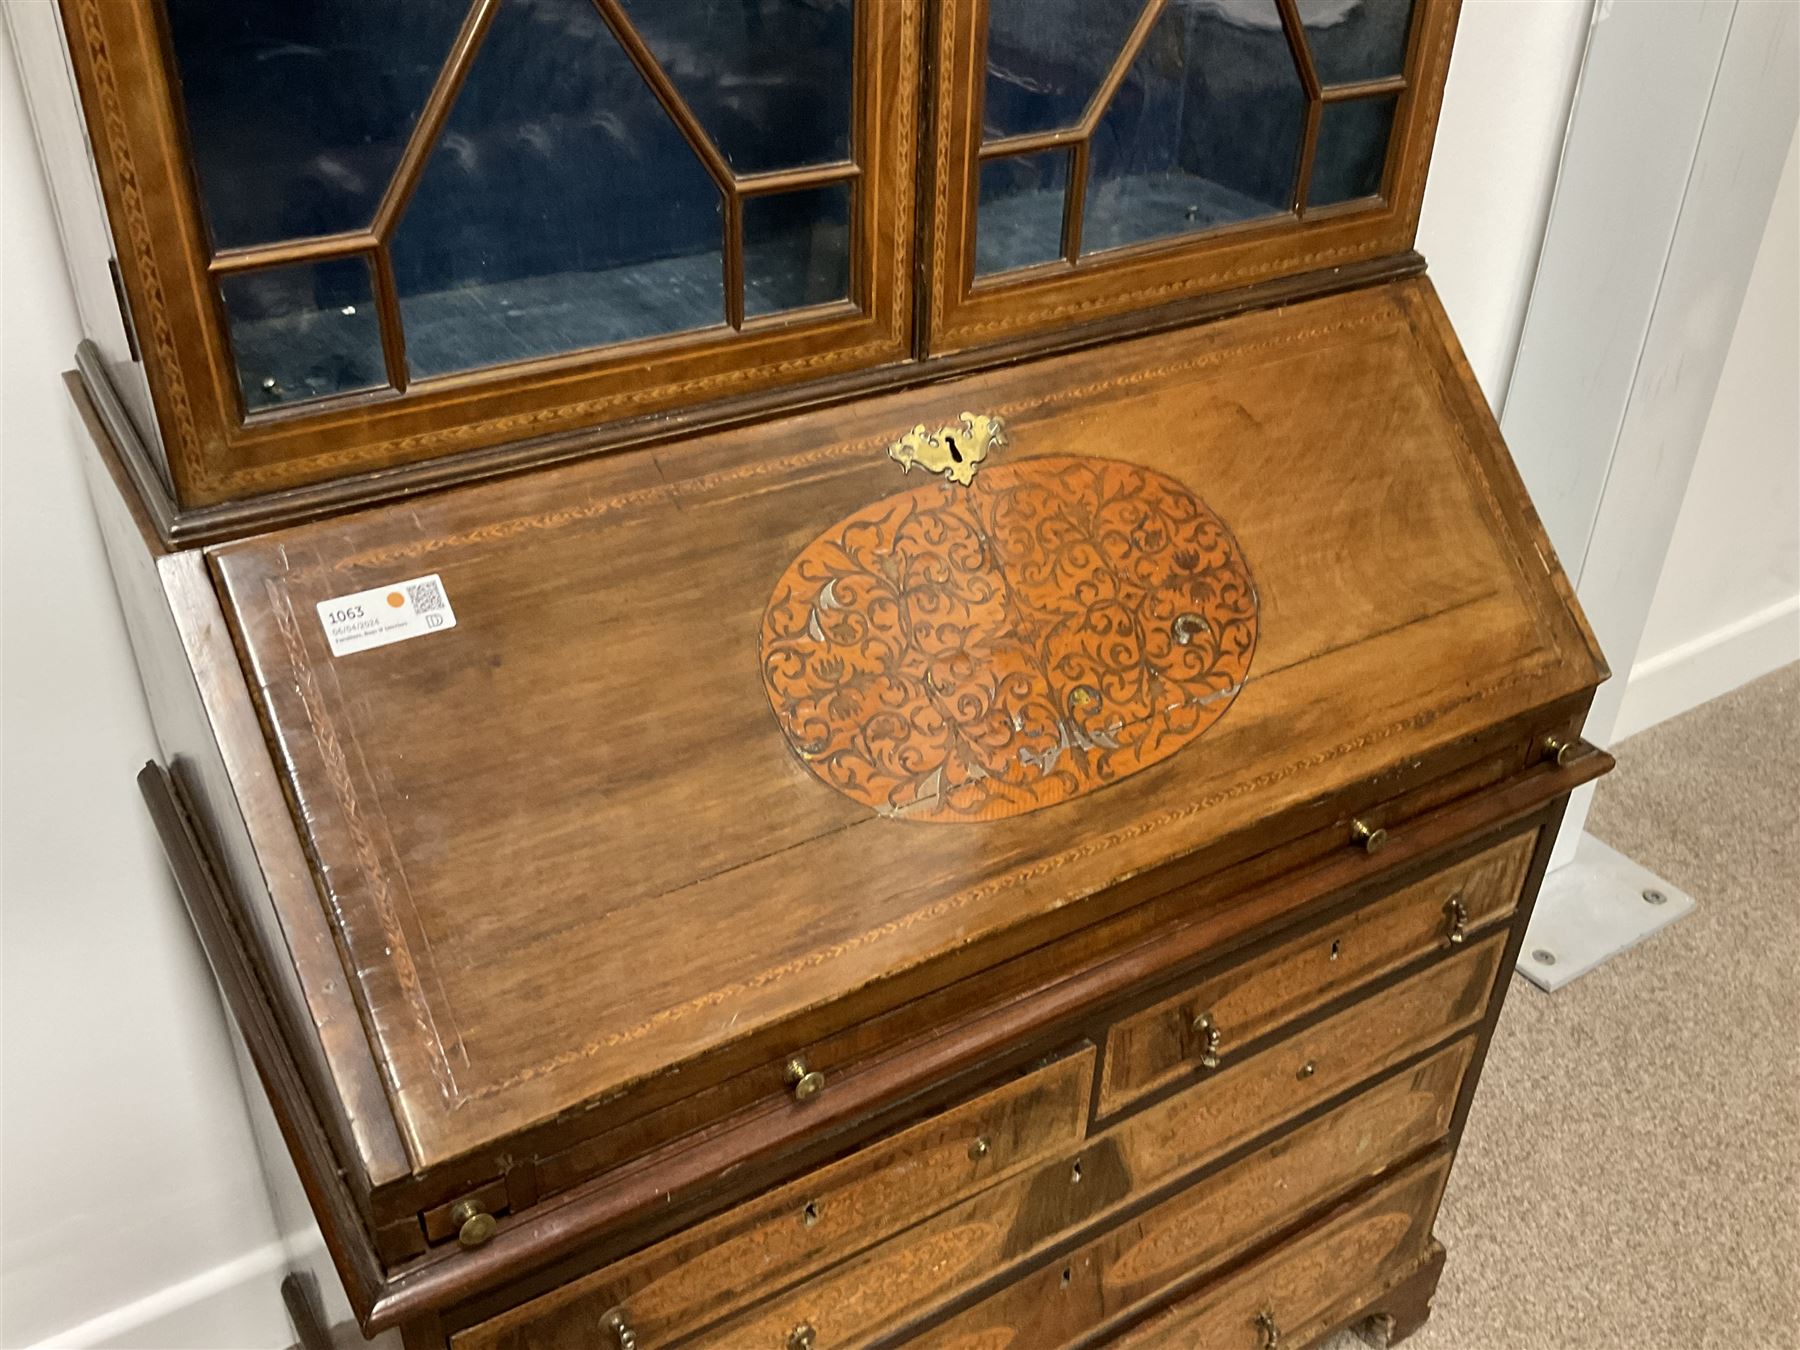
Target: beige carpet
(1631, 1172)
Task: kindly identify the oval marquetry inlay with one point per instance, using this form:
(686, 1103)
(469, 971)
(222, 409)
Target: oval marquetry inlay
(956, 654)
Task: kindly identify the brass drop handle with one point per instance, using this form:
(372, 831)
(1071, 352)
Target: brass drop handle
(807, 1082)
(1271, 1334)
(1458, 912)
(474, 1225)
(1371, 838)
(620, 1330)
(1208, 1032)
(803, 1337)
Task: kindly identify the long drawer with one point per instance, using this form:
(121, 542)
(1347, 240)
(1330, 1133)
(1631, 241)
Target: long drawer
(868, 1243)
(660, 1294)
(1195, 1030)
(893, 1284)
(1310, 1284)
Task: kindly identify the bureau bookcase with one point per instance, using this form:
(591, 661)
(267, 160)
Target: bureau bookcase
(829, 672)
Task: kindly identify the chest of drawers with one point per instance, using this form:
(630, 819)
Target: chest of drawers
(979, 800)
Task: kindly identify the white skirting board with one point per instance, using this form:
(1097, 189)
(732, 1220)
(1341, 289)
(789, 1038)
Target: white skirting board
(1591, 909)
(233, 1306)
(1712, 664)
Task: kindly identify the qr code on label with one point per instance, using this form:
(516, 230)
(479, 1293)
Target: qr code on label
(426, 596)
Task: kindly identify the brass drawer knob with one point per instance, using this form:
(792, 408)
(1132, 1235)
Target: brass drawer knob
(1372, 838)
(1208, 1033)
(474, 1225)
(615, 1325)
(1561, 751)
(1271, 1334)
(979, 1149)
(803, 1337)
(806, 1082)
(1308, 1069)
(1458, 912)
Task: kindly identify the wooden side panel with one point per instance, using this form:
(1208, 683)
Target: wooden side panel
(1164, 1043)
(708, 1271)
(1304, 1288)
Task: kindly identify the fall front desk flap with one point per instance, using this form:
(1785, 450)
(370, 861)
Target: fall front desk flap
(606, 766)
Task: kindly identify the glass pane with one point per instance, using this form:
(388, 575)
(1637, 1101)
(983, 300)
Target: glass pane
(1204, 131)
(1356, 39)
(796, 249)
(305, 331)
(1045, 59)
(1021, 216)
(561, 209)
(770, 80)
(298, 112)
(1353, 141)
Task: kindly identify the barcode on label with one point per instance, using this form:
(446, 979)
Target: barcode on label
(426, 595)
(386, 614)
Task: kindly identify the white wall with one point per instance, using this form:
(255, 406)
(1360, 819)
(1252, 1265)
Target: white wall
(1506, 104)
(127, 1168)
(1727, 605)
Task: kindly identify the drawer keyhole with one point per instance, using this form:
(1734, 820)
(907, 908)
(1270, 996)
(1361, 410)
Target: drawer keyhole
(1337, 949)
(1457, 912)
(1210, 1039)
(810, 1215)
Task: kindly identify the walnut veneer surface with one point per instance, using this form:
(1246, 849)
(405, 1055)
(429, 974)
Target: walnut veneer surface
(532, 829)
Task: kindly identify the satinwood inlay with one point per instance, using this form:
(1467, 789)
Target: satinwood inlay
(958, 654)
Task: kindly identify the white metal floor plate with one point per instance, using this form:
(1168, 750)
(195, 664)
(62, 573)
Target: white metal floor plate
(1595, 907)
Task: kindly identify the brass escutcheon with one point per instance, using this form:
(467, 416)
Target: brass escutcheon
(1458, 912)
(803, 1337)
(1271, 1334)
(955, 451)
(1208, 1032)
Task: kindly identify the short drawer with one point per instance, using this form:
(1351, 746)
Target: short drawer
(1185, 1035)
(1309, 1284)
(899, 1282)
(727, 1263)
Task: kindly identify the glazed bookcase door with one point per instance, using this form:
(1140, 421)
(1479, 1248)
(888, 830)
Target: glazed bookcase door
(359, 235)
(1094, 157)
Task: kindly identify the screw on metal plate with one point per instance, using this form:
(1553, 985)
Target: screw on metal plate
(1544, 957)
(1656, 897)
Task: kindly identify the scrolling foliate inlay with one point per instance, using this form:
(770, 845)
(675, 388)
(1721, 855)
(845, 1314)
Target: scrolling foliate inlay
(961, 653)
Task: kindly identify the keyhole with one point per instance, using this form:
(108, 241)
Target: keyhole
(810, 1215)
(1335, 947)
(955, 454)
(1075, 1175)
(1067, 1275)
